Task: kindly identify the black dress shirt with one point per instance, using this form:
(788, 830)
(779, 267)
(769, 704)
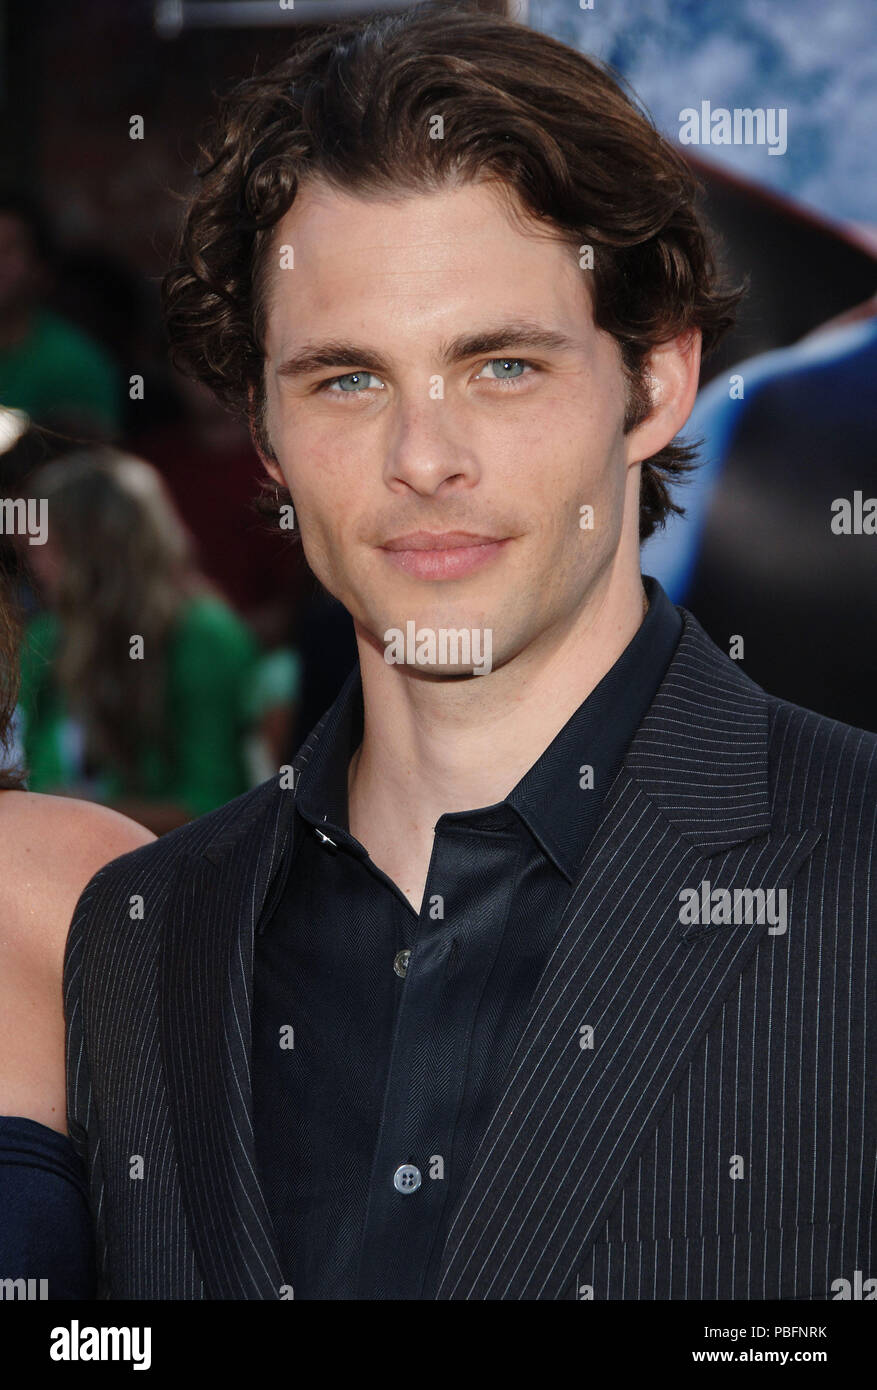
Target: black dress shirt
(375, 1070)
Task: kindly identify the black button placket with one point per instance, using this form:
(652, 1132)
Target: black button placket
(473, 871)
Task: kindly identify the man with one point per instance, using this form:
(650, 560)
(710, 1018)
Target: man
(546, 977)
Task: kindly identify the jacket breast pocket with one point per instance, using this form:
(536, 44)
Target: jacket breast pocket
(792, 1262)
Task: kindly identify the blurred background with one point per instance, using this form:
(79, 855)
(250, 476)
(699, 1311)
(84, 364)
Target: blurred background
(174, 550)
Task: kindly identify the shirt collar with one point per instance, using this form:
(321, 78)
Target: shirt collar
(553, 798)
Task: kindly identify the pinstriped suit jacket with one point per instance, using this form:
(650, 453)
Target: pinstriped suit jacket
(718, 1139)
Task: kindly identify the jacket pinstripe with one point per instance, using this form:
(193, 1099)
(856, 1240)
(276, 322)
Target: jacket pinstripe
(717, 1139)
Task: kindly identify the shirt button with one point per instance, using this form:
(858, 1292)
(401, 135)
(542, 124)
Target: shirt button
(400, 964)
(406, 1178)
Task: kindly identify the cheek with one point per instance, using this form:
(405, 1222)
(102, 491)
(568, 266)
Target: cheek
(566, 464)
(325, 483)
(578, 498)
(308, 460)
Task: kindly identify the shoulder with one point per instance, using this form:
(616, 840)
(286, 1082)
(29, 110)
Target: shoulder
(821, 768)
(157, 860)
(817, 764)
(52, 846)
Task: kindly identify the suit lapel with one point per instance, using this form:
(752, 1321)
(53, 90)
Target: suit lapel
(691, 805)
(206, 1001)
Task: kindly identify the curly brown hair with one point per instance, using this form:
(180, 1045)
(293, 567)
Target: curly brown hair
(352, 107)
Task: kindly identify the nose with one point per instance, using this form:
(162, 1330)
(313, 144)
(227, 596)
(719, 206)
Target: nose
(427, 448)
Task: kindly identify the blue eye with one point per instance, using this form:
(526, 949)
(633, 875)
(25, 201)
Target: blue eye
(510, 368)
(358, 379)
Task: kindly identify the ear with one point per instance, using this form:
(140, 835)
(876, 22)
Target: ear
(673, 373)
(260, 442)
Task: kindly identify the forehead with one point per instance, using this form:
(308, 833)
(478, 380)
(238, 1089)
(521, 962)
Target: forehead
(418, 259)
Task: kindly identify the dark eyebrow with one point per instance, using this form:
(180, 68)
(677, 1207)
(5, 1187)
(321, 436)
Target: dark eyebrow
(516, 334)
(332, 352)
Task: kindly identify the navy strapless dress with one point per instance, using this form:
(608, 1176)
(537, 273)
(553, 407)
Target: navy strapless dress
(45, 1226)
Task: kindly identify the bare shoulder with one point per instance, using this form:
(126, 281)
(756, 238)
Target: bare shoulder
(51, 847)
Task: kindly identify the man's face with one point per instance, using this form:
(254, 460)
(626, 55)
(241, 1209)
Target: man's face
(399, 433)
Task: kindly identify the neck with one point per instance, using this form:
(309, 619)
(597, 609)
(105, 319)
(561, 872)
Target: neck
(432, 746)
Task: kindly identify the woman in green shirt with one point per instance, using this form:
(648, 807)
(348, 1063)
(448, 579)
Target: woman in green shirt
(136, 684)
